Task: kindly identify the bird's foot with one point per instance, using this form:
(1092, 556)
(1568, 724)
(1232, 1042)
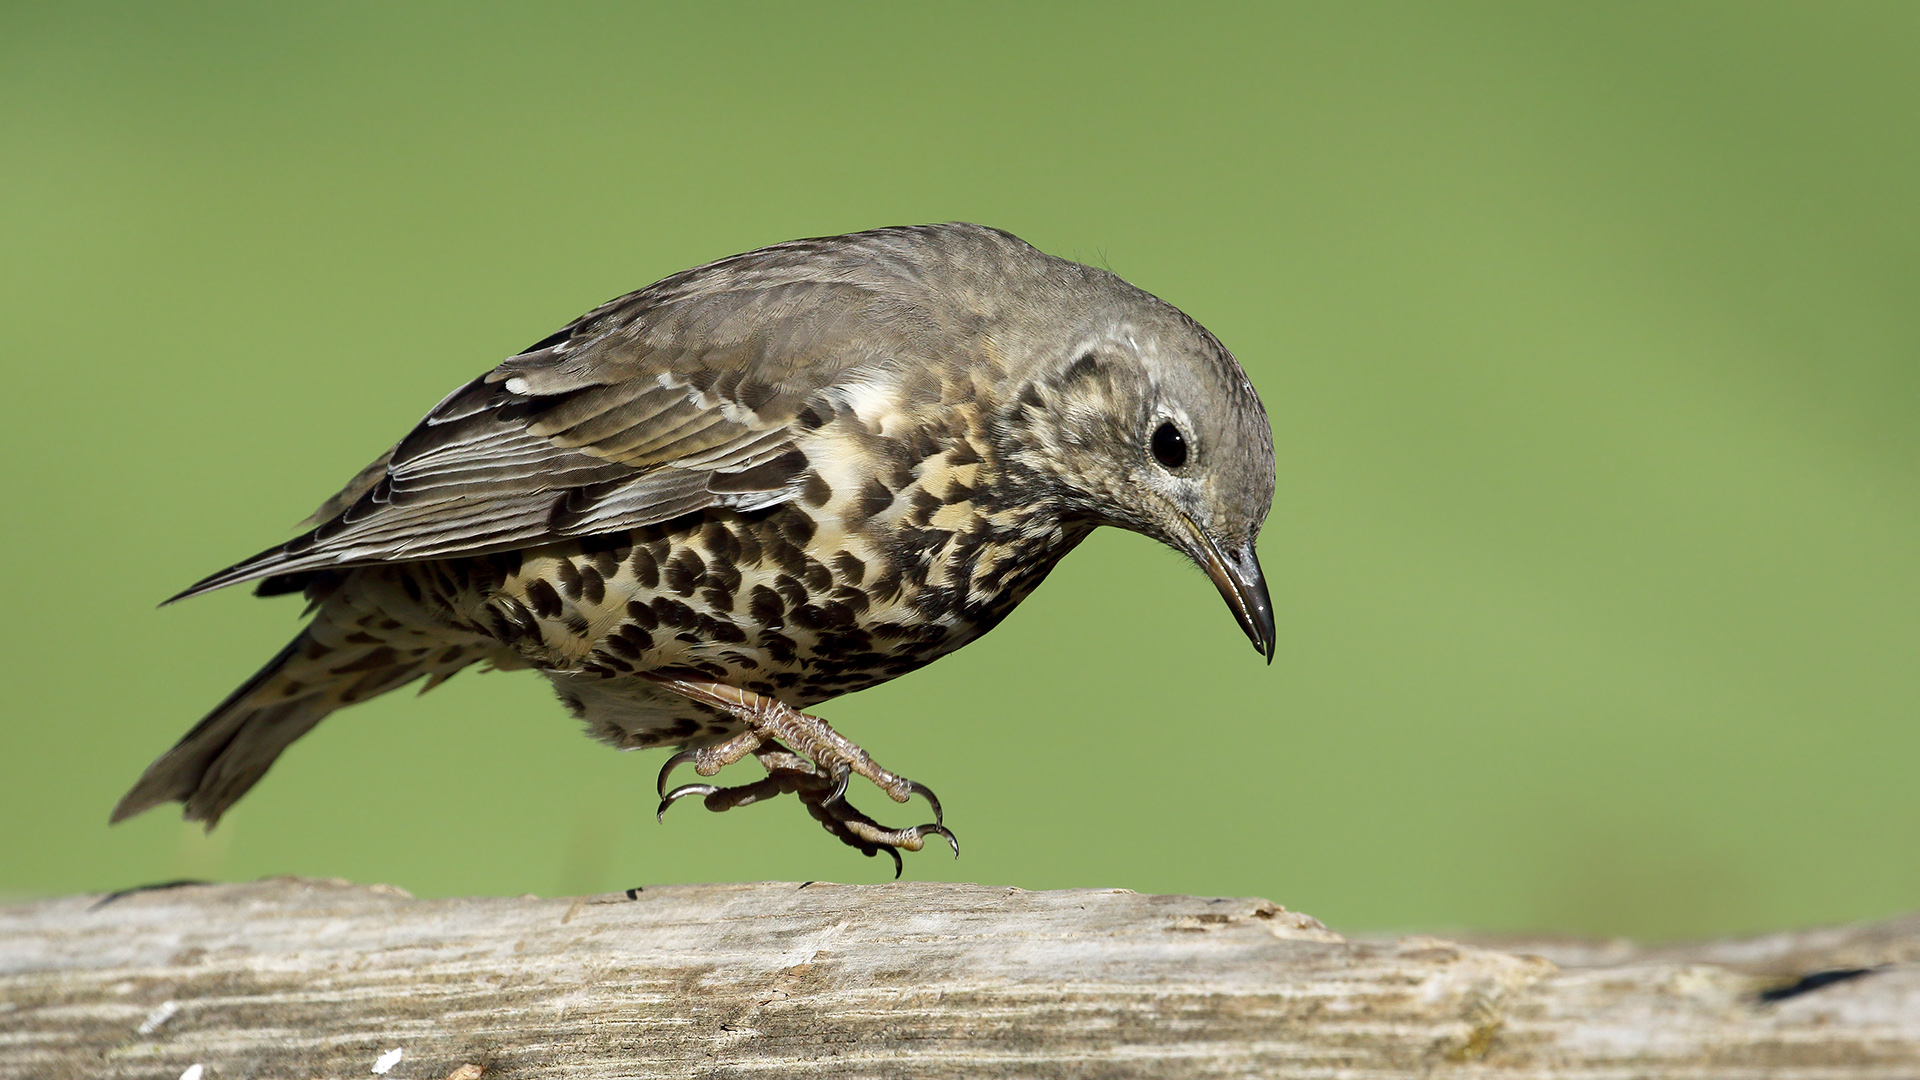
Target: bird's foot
(789, 773)
(817, 774)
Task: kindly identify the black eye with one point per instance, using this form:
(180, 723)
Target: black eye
(1169, 446)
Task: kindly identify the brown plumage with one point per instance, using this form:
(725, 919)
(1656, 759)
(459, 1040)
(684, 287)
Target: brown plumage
(752, 487)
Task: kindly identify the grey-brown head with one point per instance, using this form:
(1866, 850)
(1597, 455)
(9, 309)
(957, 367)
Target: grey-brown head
(1140, 418)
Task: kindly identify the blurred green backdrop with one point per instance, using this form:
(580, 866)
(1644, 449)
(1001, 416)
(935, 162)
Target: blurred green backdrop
(1590, 334)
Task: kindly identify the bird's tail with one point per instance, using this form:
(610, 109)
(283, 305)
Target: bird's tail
(353, 650)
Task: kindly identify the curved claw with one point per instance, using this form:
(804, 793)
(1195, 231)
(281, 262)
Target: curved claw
(666, 770)
(841, 774)
(925, 792)
(898, 866)
(928, 830)
(668, 798)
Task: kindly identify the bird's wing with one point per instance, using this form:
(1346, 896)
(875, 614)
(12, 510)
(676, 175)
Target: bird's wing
(685, 395)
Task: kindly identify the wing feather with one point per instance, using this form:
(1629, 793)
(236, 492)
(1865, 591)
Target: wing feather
(679, 397)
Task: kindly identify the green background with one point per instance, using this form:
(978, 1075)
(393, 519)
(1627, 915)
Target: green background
(1590, 335)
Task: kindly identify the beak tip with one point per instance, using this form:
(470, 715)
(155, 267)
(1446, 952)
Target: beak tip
(1241, 584)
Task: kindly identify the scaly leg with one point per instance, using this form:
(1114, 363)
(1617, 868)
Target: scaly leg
(818, 773)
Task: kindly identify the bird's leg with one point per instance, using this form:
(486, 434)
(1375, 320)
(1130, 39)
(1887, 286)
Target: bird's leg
(788, 772)
(824, 748)
(818, 773)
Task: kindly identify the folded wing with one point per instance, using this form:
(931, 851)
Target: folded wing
(682, 396)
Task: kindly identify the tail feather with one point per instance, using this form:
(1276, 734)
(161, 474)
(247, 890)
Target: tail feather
(333, 663)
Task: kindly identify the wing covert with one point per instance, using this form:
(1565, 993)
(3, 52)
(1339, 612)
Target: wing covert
(667, 401)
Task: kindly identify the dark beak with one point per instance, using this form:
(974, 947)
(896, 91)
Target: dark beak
(1241, 585)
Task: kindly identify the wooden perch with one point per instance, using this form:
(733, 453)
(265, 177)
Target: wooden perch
(297, 978)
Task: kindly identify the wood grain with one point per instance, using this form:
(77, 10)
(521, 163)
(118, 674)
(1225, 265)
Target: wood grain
(303, 978)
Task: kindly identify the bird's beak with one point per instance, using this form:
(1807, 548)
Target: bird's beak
(1241, 584)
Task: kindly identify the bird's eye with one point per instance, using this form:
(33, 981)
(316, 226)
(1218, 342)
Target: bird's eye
(1169, 446)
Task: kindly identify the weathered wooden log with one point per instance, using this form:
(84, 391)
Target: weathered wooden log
(300, 978)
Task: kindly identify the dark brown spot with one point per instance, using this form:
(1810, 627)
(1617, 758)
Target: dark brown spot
(593, 587)
(606, 561)
(674, 613)
(411, 587)
(852, 598)
(764, 607)
(874, 499)
(645, 569)
(925, 445)
(924, 504)
(360, 637)
(637, 637)
(780, 648)
(786, 556)
(684, 571)
(569, 578)
(749, 546)
(798, 528)
(546, 602)
(849, 568)
(791, 590)
(720, 542)
(724, 576)
(717, 598)
(816, 491)
(642, 614)
(817, 577)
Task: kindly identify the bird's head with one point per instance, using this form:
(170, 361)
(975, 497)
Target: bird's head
(1138, 417)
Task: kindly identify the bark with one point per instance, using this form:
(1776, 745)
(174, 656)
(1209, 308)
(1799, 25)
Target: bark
(301, 978)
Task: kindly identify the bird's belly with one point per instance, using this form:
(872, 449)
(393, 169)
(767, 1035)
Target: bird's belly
(800, 602)
(778, 602)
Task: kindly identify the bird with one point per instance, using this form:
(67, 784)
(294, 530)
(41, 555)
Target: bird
(707, 506)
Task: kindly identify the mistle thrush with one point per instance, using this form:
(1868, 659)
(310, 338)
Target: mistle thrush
(750, 488)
